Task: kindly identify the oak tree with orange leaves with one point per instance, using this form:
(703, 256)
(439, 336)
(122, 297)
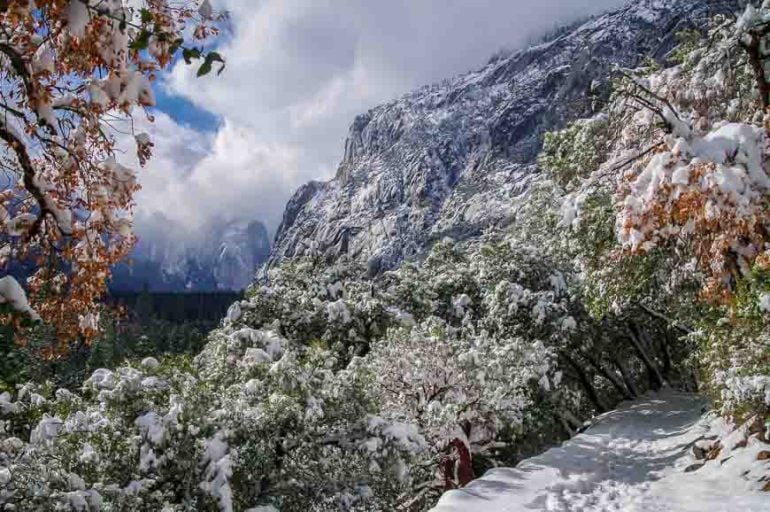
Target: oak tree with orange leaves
(74, 73)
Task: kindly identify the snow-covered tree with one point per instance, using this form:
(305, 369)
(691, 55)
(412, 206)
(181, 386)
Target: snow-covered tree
(322, 390)
(666, 215)
(74, 72)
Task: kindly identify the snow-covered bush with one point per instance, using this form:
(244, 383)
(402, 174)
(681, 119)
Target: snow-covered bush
(256, 420)
(572, 153)
(482, 370)
(303, 430)
(467, 394)
(703, 183)
(330, 306)
(130, 440)
(323, 390)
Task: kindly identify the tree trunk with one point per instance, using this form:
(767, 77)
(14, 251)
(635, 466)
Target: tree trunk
(565, 426)
(756, 59)
(571, 419)
(656, 379)
(586, 383)
(614, 380)
(627, 377)
(666, 354)
(458, 471)
(653, 349)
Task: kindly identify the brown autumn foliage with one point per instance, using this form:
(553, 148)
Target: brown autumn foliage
(74, 73)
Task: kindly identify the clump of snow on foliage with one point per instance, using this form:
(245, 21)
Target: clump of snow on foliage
(12, 293)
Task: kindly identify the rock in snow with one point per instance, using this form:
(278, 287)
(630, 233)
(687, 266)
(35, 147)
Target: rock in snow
(633, 459)
(455, 158)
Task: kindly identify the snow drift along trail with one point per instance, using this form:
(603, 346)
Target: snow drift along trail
(632, 459)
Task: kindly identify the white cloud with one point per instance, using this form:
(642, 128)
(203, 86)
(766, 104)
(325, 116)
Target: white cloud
(241, 177)
(177, 152)
(297, 73)
(194, 177)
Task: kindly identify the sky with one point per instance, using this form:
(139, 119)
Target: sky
(236, 146)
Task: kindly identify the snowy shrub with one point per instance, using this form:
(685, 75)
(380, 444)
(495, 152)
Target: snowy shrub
(333, 306)
(461, 391)
(573, 153)
(255, 421)
(323, 390)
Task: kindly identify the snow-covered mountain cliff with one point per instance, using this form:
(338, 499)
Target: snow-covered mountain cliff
(454, 159)
(222, 257)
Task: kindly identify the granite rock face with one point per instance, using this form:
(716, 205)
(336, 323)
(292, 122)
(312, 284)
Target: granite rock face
(455, 158)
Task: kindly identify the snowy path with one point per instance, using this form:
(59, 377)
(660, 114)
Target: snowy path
(631, 460)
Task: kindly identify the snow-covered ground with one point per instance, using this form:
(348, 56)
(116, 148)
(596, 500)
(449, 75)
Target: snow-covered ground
(632, 459)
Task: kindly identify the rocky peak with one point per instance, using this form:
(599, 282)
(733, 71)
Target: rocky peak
(455, 158)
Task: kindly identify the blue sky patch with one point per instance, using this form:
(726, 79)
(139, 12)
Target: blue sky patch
(183, 111)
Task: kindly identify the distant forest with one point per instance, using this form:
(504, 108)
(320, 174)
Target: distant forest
(137, 325)
(200, 307)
